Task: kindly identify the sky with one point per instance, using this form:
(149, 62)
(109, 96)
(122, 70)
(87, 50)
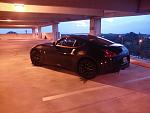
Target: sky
(117, 25)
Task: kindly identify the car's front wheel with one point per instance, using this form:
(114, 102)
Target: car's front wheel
(87, 68)
(35, 58)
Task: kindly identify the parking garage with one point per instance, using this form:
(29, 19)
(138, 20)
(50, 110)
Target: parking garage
(27, 88)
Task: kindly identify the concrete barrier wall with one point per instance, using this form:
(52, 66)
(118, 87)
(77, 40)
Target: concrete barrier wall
(15, 36)
(26, 36)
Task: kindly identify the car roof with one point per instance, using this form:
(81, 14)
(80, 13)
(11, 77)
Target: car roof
(90, 38)
(83, 37)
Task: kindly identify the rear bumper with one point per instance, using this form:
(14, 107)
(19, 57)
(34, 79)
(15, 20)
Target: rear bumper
(114, 64)
(120, 62)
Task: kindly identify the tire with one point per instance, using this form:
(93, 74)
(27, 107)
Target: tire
(87, 68)
(35, 58)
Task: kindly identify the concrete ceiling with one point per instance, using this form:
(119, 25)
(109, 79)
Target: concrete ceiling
(46, 12)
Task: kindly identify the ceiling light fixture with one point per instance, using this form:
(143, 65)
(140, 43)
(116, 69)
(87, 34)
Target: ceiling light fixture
(8, 20)
(19, 7)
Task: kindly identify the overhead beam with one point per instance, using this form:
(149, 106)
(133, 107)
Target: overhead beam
(51, 10)
(144, 6)
(40, 16)
(17, 26)
(118, 5)
(24, 23)
(138, 6)
(39, 13)
(110, 13)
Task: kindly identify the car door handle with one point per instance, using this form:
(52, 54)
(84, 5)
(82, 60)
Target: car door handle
(62, 53)
(72, 52)
(66, 54)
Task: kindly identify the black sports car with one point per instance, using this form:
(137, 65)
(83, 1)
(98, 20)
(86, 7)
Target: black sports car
(86, 54)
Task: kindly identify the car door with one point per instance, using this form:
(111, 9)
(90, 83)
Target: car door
(50, 54)
(65, 48)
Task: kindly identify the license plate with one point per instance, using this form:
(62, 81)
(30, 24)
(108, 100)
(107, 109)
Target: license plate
(125, 59)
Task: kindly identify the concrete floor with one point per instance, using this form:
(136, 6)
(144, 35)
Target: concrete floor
(28, 89)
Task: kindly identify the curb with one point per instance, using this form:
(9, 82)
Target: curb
(143, 63)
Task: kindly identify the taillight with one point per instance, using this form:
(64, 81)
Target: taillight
(109, 53)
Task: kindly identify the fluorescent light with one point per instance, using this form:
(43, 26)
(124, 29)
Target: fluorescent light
(19, 7)
(8, 20)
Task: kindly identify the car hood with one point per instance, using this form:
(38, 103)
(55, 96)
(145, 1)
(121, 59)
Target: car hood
(45, 44)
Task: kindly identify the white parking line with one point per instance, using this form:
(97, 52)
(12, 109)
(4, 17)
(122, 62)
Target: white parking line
(72, 93)
(138, 79)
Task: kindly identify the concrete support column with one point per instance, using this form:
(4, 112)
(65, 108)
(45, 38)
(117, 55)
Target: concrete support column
(39, 32)
(55, 32)
(33, 32)
(95, 26)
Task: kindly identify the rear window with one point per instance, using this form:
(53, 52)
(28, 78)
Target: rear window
(79, 42)
(100, 41)
(103, 41)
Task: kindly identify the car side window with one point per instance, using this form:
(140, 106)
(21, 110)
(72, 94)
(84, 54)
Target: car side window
(69, 42)
(61, 42)
(79, 43)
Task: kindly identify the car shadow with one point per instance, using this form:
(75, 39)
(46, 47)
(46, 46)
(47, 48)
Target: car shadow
(127, 79)
(123, 79)
(60, 69)
(67, 71)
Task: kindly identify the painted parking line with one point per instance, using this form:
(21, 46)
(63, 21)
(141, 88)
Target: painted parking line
(138, 79)
(72, 93)
(49, 98)
(143, 63)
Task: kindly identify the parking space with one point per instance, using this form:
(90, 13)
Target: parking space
(25, 88)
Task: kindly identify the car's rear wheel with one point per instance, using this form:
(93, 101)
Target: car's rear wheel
(87, 68)
(36, 58)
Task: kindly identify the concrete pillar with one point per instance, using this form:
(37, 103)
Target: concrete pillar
(55, 32)
(33, 32)
(95, 26)
(39, 32)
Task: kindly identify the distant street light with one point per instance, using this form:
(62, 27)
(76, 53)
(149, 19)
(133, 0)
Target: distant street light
(139, 51)
(120, 36)
(140, 41)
